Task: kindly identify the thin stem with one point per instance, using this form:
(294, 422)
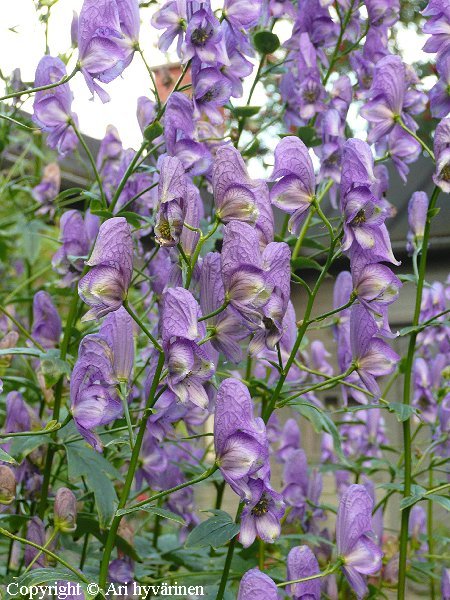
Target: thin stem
(44, 547)
(301, 237)
(216, 312)
(403, 549)
(228, 559)
(127, 175)
(90, 158)
(416, 137)
(333, 312)
(134, 316)
(197, 251)
(41, 88)
(335, 56)
(126, 410)
(430, 535)
(327, 571)
(328, 382)
(150, 72)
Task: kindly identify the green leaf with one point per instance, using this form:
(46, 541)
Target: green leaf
(26, 351)
(442, 500)
(408, 278)
(417, 493)
(266, 42)
(31, 240)
(70, 193)
(246, 111)
(303, 262)
(85, 462)
(308, 136)
(403, 412)
(253, 149)
(21, 447)
(87, 524)
(152, 131)
(215, 531)
(154, 510)
(5, 457)
(53, 367)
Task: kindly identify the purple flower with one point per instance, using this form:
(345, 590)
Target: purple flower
(117, 329)
(383, 12)
(295, 478)
(47, 190)
(239, 67)
(354, 533)
(234, 191)
(35, 534)
(171, 202)
(289, 440)
(46, 320)
(65, 510)
(240, 440)
(105, 287)
(374, 284)
(227, 325)
(247, 286)
(242, 14)
(261, 516)
(256, 585)
(445, 584)
(189, 364)
(301, 563)
(172, 17)
(108, 31)
(76, 237)
(442, 154)
(212, 90)
(437, 26)
(372, 356)
(440, 93)
(417, 216)
(295, 191)
(145, 112)
(53, 107)
(204, 38)
(402, 148)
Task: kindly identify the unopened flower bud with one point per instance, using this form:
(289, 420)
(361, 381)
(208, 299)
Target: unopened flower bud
(65, 510)
(7, 485)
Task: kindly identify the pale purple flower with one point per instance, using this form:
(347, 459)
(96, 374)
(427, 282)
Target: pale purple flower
(212, 90)
(172, 17)
(46, 320)
(262, 515)
(440, 93)
(53, 107)
(445, 584)
(289, 440)
(171, 209)
(383, 12)
(301, 563)
(35, 534)
(417, 529)
(417, 216)
(48, 188)
(354, 538)
(242, 14)
(117, 329)
(256, 585)
(437, 26)
(145, 112)
(108, 31)
(105, 286)
(442, 154)
(295, 190)
(204, 38)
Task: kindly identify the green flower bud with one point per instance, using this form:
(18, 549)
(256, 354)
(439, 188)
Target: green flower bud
(7, 485)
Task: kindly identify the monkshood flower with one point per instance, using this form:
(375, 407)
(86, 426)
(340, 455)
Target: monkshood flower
(19, 416)
(172, 17)
(145, 112)
(437, 26)
(204, 38)
(372, 356)
(417, 217)
(354, 532)
(53, 107)
(93, 395)
(234, 191)
(443, 428)
(240, 439)
(289, 440)
(247, 285)
(135, 190)
(440, 93)
(387, 96)
(417, 531)
(445, 584)
(117, 329)
(195, 211)
(242, 15)
(374, 284)
(383, 12)
(180, 135)
(171, 209)
(301, 563)
(319, 355)
(65, 510)
(256, 585)
(442, 154)
(189, 364)
(314, 19)
(295, 190)
(35, 534)
(227, 325)
(212, 91)
(46, 320)
(401, 147)
(48, 188)
(262, 515)
(77, 235)
(105, 286)
(239, 66)
(108, 31)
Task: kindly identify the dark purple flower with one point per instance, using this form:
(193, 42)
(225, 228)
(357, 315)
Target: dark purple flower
(372, 356)
(442, 154)
(108, 31)
(295, 190)
(171, 209)
(47, 190)
(256, 585)
(204, 38)
(355, 546)
(46, 320)
(212, 90)
(53, 107)
(105, 287)
(228, 325)
(247, 285)
(417, 216)
(440, 93)
(301, 563)
(234, 191)
(262, 515)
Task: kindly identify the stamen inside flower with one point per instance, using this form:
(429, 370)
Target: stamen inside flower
(360, 218)
(261, 508)
(200, 36)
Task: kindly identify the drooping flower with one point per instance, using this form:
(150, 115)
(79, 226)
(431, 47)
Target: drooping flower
(117, 329)
(262, 515)
(171, 209)
(145, 112)
(53, 107)
(442, 154)
(108, 31)
(256, 585)
(212, 91)
(354, 532)
(295, 190)
(440, 93)
(301, 563)
(172, 17)
(417, 216)
(46, 320)
(48, 188)
(105, 286)
(65, 509)
(204, 38)
(289, 440)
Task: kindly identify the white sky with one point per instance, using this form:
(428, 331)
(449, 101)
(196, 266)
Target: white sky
(24, 47)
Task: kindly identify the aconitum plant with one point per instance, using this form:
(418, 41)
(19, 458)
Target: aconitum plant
(202, 393)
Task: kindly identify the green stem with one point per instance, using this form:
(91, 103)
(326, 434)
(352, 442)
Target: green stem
(403, 549)
(328, 382)
(127, 175)
(416, 137)
(335, 56)
(327, 571)
(134, 316)
(150, 72)
(228, 559)
(126, 410)
(216, 312)
(333, 312)
(430, 535)
(91, 160)
(196, 254)
(111, 539)
(41, 88)
(44, 547)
